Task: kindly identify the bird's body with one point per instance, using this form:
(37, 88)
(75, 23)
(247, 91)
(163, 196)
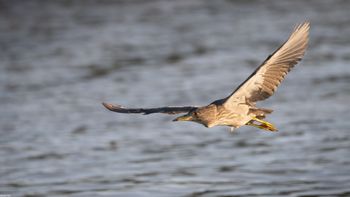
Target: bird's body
(217, 115)
(239, 108)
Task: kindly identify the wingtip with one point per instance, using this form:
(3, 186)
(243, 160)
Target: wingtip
(306, 22)
(303, 25)
(108, 106)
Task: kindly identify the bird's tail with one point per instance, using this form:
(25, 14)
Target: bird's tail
(260, 112)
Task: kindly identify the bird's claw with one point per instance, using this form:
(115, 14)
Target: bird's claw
(264, 125)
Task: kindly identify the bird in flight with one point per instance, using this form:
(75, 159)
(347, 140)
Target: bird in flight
(239, 108)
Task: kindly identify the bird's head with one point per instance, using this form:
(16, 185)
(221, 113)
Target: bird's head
(190, 116)
(203, 115)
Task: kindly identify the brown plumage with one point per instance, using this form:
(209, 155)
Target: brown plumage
(239, 107)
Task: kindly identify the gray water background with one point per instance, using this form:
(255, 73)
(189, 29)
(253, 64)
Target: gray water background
(60, 59)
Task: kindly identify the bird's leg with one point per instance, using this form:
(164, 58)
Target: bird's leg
(264, 124)
(257, 126)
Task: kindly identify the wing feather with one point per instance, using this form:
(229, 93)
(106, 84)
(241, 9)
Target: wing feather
(263, 82)
(145, 111)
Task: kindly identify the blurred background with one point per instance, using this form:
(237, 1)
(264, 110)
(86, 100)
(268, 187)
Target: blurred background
(61, 59)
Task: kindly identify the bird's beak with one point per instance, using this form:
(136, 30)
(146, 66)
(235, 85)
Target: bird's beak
(186, 117)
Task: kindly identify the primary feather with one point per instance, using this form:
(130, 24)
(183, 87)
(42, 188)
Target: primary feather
(263, 82)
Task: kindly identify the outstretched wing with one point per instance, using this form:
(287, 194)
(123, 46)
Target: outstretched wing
(145, 111)
(263, 82)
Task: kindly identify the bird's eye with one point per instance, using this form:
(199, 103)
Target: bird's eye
(195, 113)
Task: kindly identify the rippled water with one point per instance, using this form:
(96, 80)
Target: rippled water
(60, 60)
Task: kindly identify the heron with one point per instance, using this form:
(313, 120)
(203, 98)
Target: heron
(239, 108)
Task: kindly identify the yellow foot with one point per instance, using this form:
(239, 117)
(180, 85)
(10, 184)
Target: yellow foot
(264, 125)
(256, 125)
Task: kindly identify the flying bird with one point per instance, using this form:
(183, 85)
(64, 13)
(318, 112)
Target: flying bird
(239, 108)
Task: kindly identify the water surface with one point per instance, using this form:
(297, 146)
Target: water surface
(60, 60)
